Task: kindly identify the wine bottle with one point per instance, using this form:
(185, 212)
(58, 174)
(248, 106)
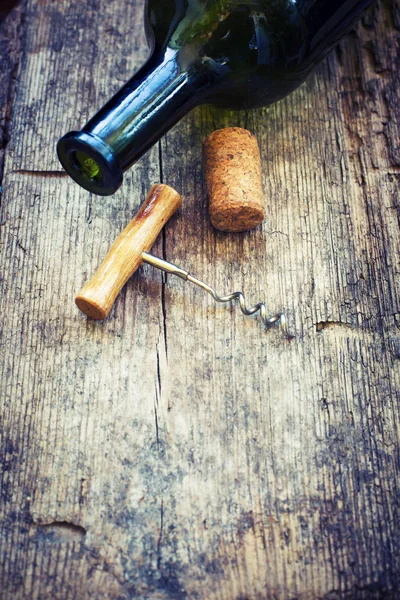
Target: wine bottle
(230, 53)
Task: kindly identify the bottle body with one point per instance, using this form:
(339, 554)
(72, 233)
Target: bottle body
(231, 53)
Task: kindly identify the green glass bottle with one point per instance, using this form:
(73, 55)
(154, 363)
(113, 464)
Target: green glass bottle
(230, 53)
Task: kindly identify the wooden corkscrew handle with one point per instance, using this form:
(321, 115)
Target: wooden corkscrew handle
(125, 255)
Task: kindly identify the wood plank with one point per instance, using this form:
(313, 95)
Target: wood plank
(10, 45)
(176, 450)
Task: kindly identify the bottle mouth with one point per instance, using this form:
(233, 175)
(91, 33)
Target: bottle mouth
(90, 162)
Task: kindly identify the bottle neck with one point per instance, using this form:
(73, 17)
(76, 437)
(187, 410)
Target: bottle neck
(162, 92)
(156, 98)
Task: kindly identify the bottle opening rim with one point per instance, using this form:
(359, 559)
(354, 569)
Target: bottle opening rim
(90, 162)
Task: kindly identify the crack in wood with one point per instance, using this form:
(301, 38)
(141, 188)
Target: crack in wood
(59, 532)
(323, 325)
(164, 276)
(160, 537)
(156, 421)
(39, 173)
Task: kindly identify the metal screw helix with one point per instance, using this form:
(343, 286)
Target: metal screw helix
(277, 319)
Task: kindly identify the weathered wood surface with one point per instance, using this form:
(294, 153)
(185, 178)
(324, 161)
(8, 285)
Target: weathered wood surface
(176, 450)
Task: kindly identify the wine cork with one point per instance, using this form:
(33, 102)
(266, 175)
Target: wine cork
(233, 175)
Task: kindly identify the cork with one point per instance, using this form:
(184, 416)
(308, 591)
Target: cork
(233, 176)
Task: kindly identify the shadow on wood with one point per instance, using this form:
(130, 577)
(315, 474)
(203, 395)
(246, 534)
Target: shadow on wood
(7, 6)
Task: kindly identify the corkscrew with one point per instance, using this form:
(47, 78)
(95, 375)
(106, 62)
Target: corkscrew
(130, 249)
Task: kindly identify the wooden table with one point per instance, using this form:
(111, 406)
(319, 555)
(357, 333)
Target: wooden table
(177, 450)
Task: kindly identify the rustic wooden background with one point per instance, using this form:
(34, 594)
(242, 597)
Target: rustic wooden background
(177, 450)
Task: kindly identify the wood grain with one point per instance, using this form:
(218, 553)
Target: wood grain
(176, 450)
(10, 46)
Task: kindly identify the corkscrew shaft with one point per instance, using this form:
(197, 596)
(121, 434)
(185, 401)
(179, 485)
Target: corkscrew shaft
(172, 269)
